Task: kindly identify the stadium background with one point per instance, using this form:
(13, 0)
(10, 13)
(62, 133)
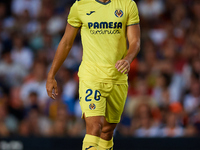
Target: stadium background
(164, 82)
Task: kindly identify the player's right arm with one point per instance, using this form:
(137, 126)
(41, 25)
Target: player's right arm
(60, 56)
(74, 23)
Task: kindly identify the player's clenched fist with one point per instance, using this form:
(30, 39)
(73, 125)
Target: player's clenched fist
(52, 88)
(123, 66)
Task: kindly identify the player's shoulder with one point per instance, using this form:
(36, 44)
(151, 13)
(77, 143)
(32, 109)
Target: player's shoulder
(77, 1)
(128, 2)
(80, 1)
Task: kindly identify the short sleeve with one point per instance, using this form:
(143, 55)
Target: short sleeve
(73, 17)
(133, 15)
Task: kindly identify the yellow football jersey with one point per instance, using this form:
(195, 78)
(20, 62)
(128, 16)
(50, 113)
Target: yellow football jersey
(103, 33)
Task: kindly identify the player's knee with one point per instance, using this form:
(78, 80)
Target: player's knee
(109, 128)
(107, 135)
(107, 132)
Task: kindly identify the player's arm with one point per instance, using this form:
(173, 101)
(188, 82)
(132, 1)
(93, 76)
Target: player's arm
(133, 34)
(60, 56)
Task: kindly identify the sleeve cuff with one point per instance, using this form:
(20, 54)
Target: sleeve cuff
(132, 24)
(73, 25)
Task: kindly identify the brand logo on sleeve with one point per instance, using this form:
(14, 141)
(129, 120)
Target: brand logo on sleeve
(119, 13)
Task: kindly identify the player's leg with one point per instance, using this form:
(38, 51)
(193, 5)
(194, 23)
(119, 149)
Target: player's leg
(114, 107)
(93, 104)
(106, 137)
(94, 127)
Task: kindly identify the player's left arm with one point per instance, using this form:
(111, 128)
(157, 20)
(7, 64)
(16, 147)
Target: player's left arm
(133, 34)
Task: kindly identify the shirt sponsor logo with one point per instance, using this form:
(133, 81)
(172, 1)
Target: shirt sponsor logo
(105, 31)
(105, 27)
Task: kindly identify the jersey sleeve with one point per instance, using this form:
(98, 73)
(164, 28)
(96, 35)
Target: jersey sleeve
(133, 15)
(73, 17)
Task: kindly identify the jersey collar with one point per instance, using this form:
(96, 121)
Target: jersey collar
(102, 2)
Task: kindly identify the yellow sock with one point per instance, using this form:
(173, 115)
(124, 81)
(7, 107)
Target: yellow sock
(105, 145)
(90, 142)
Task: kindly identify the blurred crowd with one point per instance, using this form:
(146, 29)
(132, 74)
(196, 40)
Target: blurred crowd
(164, 81)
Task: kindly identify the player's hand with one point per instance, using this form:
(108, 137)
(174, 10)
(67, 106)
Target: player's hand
(123, 66)
(52, 88)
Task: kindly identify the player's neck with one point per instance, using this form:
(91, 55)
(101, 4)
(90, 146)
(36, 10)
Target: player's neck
(104, 1)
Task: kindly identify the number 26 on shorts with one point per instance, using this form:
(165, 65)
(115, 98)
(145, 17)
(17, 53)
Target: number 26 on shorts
(89, 92)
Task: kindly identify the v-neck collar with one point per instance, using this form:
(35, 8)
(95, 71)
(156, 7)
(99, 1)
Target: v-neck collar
(102, 2)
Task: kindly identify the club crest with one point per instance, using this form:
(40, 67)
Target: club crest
(119, 13)
(92, 106)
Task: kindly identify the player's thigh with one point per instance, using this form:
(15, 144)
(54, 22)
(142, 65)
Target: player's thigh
(115, 103)
(92, 98)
